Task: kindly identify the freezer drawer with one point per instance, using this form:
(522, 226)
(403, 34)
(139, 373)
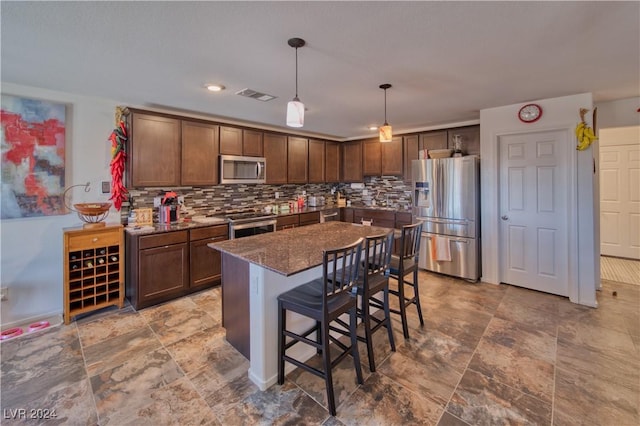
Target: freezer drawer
(465, 259)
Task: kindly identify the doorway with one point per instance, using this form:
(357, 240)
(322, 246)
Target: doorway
(534, 210)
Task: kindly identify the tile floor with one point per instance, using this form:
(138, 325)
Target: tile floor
(487, 355)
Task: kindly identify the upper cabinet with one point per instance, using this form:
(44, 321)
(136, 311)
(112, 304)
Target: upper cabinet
(199, 153)
(252, 143)
(352, 161)
(433, 140)
(371, 157)
(332, 162)
(298, 160)
(236, 141)
(154, 150)
(392, 157)
(411, 153)
(469, 136)
(275, 153)
(317, 161)
(230, 140)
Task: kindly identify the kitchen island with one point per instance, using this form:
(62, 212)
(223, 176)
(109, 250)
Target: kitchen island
(255, 270)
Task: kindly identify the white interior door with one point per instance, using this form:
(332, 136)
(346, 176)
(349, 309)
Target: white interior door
(620, 192)
(534, 208)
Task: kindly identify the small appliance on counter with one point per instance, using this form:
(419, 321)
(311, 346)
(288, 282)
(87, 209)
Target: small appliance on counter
(169, 209)
(316, 201)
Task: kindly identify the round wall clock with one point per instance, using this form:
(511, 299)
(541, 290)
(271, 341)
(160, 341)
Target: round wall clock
(530, 113)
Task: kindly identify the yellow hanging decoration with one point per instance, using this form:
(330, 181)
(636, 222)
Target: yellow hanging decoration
(584, 133)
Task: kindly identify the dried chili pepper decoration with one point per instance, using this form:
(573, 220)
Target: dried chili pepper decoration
(118, 139)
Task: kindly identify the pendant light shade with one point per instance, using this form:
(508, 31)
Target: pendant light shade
(295, 108)
(385, 133)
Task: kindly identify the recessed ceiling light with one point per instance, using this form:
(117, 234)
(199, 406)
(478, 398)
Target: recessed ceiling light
(215, 87)
(372, 127)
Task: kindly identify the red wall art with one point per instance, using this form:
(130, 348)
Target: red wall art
(33, 152)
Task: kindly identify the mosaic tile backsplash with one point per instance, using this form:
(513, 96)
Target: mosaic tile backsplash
(379, 190)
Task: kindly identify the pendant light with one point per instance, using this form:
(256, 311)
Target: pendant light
(385, 130)
(295, 108)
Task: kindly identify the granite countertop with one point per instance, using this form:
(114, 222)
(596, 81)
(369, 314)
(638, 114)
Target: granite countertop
(295, 250)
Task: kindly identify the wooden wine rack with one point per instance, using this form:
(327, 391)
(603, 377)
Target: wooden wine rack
(93, 269)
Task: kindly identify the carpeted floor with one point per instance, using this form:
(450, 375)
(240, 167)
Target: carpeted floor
(621, 270)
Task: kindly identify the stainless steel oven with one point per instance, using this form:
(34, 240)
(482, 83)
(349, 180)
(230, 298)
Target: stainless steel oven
(247, 224)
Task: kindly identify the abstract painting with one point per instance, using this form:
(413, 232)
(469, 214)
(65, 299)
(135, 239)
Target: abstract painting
(33, 150)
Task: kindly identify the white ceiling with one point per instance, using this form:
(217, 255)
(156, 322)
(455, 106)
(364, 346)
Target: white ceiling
(445, 60)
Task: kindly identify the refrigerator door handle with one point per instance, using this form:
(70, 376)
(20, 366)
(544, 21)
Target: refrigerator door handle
(459, 241)
(463, 222)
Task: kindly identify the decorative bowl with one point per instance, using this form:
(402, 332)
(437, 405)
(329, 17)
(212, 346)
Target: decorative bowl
(440, 153)
(92, 209)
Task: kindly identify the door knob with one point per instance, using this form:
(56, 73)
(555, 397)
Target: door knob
(505, 217)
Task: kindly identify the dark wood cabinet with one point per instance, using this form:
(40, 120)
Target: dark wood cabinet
(230, 140)
(298, 160)
(384, 218)
(287, 222)
(332, 162)
(391, 156)
(308, 218)
(352, 161)
(205, 267)
(317, 157)
(154, 150)
(371, 157)
(252, 143)
(347, 215)
(433, 140)
(199, 153)
(275, 152)
(157, 267)
(411, 153)
(469, 136)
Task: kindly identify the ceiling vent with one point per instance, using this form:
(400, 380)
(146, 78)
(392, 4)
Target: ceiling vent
(248, 93)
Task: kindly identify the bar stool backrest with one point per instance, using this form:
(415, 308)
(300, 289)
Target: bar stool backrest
(410, 241)
(341, 267)
(378, 249)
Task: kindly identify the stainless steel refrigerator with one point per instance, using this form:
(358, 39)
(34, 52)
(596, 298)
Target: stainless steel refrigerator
(446, 197)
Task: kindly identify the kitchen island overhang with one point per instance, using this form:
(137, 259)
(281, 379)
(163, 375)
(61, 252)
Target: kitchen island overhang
(255, 270)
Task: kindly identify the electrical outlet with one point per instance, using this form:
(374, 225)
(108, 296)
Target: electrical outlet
(304, 192)
(157, 201)
(106, 187)
(277, 195)
(365, 192)
(181, 199)
(4, 293)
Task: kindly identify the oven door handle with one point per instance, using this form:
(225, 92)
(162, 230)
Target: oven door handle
(253, 224)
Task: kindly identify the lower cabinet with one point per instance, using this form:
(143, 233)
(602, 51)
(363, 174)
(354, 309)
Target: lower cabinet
(309, 218)
(204, 264)
(287, 222)
(168, 265)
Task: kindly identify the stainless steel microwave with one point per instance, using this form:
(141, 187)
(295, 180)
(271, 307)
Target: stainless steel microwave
(237, 169)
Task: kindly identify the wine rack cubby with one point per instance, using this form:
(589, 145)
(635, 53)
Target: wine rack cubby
(93, 269)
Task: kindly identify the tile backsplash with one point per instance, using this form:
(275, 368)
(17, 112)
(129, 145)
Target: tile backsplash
(384, 190)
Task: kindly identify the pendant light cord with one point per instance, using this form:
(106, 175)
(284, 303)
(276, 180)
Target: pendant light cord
(385, 107)
(296, 73)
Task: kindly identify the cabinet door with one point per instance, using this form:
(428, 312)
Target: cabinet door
(433, 140)
(163, 272)
(372, 157)
(347, 215)
(470, 137)
(230, 140)
(316, 161)
(410, 154)
(252, 143)
(298, 160)
(154, 151)
(205, 264)
(199, 153)
(275, 152)
(392, 157)
(287, 222)
(352, 161)
(332, 162)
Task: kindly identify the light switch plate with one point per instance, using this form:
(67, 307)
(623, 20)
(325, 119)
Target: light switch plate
(157, 201)
(365, 192)
(106, 187)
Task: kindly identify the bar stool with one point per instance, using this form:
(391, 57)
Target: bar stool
(375, 279)
(403, 264)
(324, 300)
